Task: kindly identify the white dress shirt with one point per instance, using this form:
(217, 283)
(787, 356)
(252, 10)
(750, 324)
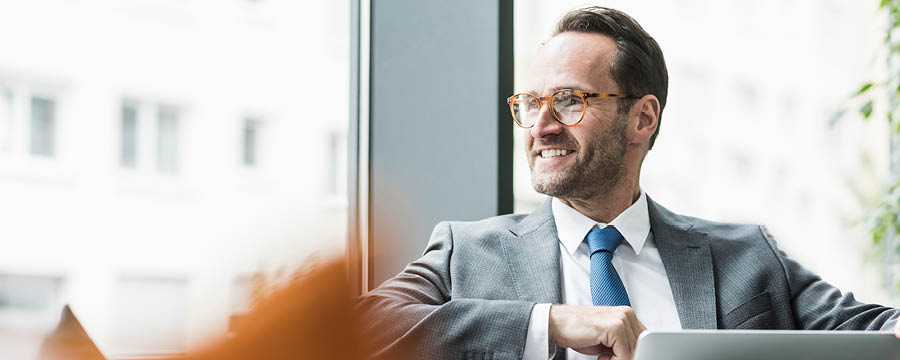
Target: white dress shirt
(636, 260)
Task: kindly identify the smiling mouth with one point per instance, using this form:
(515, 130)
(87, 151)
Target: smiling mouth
(546, 154)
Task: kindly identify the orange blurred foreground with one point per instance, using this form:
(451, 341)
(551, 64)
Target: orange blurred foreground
(312, 317)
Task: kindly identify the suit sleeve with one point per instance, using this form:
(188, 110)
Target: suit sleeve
(414, 314)
(818, 305)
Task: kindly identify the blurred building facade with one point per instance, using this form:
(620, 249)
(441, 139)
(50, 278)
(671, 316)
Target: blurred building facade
(749, 131)
(158, 158)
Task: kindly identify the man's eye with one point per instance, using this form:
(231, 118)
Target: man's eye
(566, 101)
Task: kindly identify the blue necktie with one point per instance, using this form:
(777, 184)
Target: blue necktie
(606, 286)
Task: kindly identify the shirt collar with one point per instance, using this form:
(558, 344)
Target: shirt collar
(572, 226)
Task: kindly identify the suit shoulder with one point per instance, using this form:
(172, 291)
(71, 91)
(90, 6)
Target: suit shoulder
(715, 230)
(726, 231)
(488, 227)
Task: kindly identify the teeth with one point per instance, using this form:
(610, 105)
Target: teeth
(554, 152)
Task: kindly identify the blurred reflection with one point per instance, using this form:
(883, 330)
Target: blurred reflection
(158, 159)
(311, 317)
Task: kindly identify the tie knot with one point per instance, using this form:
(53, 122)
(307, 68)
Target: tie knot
(605, 239)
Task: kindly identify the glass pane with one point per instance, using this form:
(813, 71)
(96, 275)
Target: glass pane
(28, 291)
(166, 255)
(250, 141)
(43, 126)
(167, 140)
(745, 135)
(6, 119)
(129, 136)
(29, 304)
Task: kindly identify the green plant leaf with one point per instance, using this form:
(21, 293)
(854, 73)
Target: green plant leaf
(866, 109)
(863, 89)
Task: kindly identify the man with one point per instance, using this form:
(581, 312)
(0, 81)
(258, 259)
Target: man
(599, 262)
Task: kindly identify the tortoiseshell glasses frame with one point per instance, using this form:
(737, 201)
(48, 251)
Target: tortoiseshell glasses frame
(572, 102)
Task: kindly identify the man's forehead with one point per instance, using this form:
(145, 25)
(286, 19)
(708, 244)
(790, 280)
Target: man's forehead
(572, 60)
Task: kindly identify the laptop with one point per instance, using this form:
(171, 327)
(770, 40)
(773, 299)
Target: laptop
(767, 344)
(69, 341)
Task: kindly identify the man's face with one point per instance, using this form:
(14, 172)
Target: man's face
(595, 147)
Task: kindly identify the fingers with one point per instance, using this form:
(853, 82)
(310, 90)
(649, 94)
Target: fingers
(632, 328)
(624, 339)
(595, 350)
(621, 347)
(628, 331)
(897, 329)
(610, 332)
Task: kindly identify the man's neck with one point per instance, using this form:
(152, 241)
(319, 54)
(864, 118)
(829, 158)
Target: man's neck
(603, 208)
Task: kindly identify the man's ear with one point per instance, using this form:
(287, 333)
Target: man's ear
(647, 113)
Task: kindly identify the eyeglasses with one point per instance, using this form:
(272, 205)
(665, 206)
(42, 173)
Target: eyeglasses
(568, 106)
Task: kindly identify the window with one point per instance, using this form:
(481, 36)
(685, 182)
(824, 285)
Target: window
(6, 119)
(43, 126)
(167, 140)
(28, 292)
(250, 142)
(727, 122)
(29, 302)
(153, 154)
(129, 136)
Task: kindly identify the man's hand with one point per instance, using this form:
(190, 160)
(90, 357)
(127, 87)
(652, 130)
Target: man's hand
(896, 327)
(610, 332)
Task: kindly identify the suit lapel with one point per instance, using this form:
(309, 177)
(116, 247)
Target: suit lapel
(688, 262)
(531, 249)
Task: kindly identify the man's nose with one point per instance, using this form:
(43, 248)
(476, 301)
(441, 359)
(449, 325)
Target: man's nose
(546, 124)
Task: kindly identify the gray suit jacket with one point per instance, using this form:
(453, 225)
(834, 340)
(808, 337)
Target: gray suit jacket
(470, 294)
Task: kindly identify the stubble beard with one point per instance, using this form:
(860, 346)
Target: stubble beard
(599, 169)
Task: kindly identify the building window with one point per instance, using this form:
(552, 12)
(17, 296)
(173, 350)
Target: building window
(251, 142)
(27, 291)
(167, 140)
(43, 126)
(6, 119)
(129, 136)
(29, 301)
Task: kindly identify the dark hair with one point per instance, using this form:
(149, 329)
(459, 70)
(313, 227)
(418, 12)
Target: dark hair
(638, 68)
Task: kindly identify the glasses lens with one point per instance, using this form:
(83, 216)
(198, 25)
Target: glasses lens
(526, 109)
(569, 107)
